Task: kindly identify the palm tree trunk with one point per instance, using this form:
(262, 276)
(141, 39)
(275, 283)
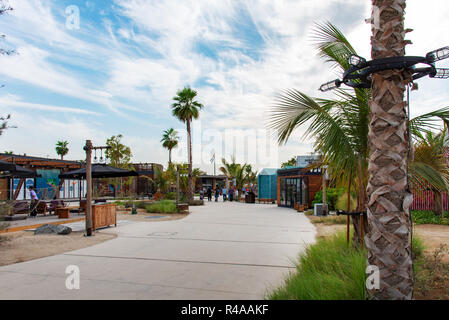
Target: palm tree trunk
(438, 205)
(189, 147)
(169, 157)
(388, 241)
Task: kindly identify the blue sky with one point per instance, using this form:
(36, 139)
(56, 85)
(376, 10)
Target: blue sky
(118, 73)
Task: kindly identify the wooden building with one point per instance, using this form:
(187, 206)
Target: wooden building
(46, 185)
(213, 181)
(297, 186)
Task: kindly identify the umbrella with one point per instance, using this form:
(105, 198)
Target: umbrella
(17, 171)
(99, 171)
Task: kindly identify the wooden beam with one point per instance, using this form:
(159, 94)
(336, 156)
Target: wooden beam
(19, 186)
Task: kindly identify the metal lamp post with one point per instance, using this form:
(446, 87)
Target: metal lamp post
(359, 75)
(88, 148)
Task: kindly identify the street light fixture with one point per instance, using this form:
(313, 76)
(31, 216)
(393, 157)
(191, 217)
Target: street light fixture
(359, 74)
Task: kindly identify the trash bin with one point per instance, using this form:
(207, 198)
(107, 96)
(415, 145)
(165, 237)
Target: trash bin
(250, 197)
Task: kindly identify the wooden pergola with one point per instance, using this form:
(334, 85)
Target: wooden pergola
(35, 163)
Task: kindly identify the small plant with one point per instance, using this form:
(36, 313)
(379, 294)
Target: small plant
(163, 206)
(332, 195)
(429, 217)
(432, 273)
(5, 209)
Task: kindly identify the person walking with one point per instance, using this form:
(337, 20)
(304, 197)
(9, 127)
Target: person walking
(209, 194)
(201, 194)
(231, 194)
(217, 194)
(34, 202)
(224, 194)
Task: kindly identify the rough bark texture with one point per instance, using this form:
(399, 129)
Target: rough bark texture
(190, 183)
(389, 195)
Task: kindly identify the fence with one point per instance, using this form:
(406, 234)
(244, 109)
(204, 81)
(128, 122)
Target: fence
(424, 200)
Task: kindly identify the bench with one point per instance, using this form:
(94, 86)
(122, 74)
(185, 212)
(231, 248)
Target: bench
(265, 200)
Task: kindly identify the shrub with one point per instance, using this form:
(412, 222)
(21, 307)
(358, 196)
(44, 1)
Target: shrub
(429, 217)
(332, 194)
(328, 270)
(170, 196)
(163, 206)
(5, 208)
(342, 202)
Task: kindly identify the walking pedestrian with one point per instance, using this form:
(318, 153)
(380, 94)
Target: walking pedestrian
(224, 194)
(209, 194)
(217, 194)
(231, 194)
(34, 202)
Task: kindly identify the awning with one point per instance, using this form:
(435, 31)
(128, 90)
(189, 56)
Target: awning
(99, 171)
(9, 169)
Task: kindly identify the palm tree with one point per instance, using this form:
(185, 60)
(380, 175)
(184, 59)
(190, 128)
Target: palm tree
(242, 173)
(186, 109)
(170, 141)
(430, 168)
(229, 168)
(340, 127)
(388, 240)
(62, 149)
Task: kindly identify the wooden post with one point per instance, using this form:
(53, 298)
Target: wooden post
(361, 231)
(19, 186)
(324, 192)
(349, 210)
(88, 149)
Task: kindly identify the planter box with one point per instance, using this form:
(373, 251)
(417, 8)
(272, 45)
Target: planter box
(104, 215)
(183, 208)
(63, 213)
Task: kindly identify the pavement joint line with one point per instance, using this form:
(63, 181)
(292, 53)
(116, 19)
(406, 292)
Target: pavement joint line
(182, 261)
(213, 240)
(134, 283)
(245, 224)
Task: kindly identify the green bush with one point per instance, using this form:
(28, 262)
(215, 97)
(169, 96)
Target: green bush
(429, 217)
(163, 206)
(342, 202)
(332, 195)
(170, 196)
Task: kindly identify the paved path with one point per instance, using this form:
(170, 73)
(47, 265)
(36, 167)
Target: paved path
(220, 251)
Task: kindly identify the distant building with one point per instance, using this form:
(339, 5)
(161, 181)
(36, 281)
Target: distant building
(213, 181)
(305, 161)
(291, 185)
(267, 184)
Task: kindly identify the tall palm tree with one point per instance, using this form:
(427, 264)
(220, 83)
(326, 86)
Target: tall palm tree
(388, 240)
(62, 148)
(186, 108)
(340, 126)
(170, 141)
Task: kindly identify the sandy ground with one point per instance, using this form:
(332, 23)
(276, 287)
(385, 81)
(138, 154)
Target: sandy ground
(23, 246)
(143, 216)
(434, 236)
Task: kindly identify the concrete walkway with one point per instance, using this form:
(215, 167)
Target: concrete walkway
(220, 251)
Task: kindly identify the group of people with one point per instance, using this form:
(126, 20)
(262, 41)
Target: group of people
(217, 192)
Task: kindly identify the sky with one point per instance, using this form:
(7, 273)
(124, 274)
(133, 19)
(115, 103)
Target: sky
(94, 69)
